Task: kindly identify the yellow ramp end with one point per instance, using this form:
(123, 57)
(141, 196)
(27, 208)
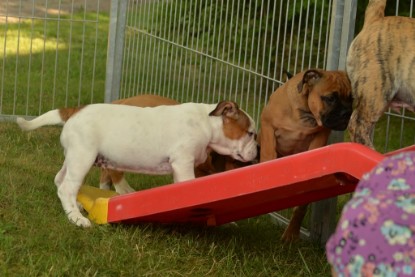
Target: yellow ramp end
(95, 202)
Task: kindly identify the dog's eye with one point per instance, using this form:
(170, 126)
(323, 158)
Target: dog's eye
(330, 99)
(251, 134)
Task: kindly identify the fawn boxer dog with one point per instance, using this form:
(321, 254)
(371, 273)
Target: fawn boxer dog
(380, 65)
(158, 140)
(299, 116)
(214, 163)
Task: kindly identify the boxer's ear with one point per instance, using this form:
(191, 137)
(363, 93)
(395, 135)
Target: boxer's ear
(226, 108)
(310, 78)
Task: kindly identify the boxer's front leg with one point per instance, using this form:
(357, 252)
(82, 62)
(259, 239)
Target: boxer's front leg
(292, 232)
(268, 142)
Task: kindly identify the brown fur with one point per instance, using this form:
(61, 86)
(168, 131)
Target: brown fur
(146, 100)
(299, 116)
(380, 65)
(231, 115)
(375, 11)
(66, 113)
(236, 131)
(216, 163)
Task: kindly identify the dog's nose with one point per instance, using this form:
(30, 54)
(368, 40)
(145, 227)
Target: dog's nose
(346, 114)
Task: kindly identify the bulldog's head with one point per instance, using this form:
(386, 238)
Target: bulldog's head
(238, 136)
(329, 97)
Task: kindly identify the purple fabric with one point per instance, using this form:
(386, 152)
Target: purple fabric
(375, 235)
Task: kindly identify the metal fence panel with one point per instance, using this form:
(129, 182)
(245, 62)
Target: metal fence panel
(56, 53)
(52, 53)
(206, 51)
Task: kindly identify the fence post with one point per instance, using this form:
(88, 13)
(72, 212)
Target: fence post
(323, 213)
(115, 49)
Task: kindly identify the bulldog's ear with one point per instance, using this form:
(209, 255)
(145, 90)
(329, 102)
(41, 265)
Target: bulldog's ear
(226, 108)
(310, 78)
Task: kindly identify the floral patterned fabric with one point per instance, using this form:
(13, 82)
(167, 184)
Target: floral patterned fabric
(375, 235)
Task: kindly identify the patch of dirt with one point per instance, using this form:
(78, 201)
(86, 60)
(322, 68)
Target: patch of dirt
(12, 10)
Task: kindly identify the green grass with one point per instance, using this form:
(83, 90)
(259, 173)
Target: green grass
(36, 239)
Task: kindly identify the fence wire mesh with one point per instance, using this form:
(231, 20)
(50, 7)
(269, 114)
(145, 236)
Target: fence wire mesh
(206, 51)
(51, 54)
(56, 53)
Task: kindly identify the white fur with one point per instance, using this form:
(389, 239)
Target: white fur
(159, 140)
(48, 118)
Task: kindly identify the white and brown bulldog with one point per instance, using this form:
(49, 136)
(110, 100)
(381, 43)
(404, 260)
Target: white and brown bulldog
(380, 65)
(159, 140)
(299, 116)
(214, 163)
(115, 178)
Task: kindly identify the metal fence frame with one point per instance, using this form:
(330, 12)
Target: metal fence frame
(341, 34)
(43, 28)
(127, 23)
(253, 71)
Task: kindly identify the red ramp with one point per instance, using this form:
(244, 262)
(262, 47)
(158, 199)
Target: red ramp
(249, 191)
(240, 193)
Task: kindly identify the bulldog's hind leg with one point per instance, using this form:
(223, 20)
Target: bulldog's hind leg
(120, 184)
(69, 180)
(116, 178)
(105, 179)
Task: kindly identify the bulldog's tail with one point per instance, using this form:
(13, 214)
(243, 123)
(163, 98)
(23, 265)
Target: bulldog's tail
(53, 117)
(375, 10)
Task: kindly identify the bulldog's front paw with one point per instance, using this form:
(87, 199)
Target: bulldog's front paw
(80, 206)
(78, 219)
